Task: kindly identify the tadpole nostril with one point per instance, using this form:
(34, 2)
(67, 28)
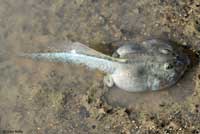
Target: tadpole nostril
(174, 54)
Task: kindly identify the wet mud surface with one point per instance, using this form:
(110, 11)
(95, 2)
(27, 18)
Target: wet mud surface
(43, 97)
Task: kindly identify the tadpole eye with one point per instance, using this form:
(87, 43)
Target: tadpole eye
(168, 66)
(164, 51)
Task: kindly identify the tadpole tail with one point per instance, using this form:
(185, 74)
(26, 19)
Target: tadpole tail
(105, 65)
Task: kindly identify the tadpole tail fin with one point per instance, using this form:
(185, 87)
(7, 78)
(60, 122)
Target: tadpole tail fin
(79, 48)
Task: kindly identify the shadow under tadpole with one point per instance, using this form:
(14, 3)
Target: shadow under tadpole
(153, 101)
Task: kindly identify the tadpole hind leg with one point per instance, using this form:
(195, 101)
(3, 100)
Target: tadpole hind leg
(108, 81)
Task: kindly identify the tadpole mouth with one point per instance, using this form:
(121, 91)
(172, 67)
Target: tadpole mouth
(182, 60)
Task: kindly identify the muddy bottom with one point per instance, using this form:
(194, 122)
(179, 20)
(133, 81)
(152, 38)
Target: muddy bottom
(49, 98)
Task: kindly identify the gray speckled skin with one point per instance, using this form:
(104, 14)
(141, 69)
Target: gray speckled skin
(151, 65)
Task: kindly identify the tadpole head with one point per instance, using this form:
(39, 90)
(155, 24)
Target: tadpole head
(170, 63)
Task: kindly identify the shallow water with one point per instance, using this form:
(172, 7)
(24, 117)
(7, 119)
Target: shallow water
(43, 97)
